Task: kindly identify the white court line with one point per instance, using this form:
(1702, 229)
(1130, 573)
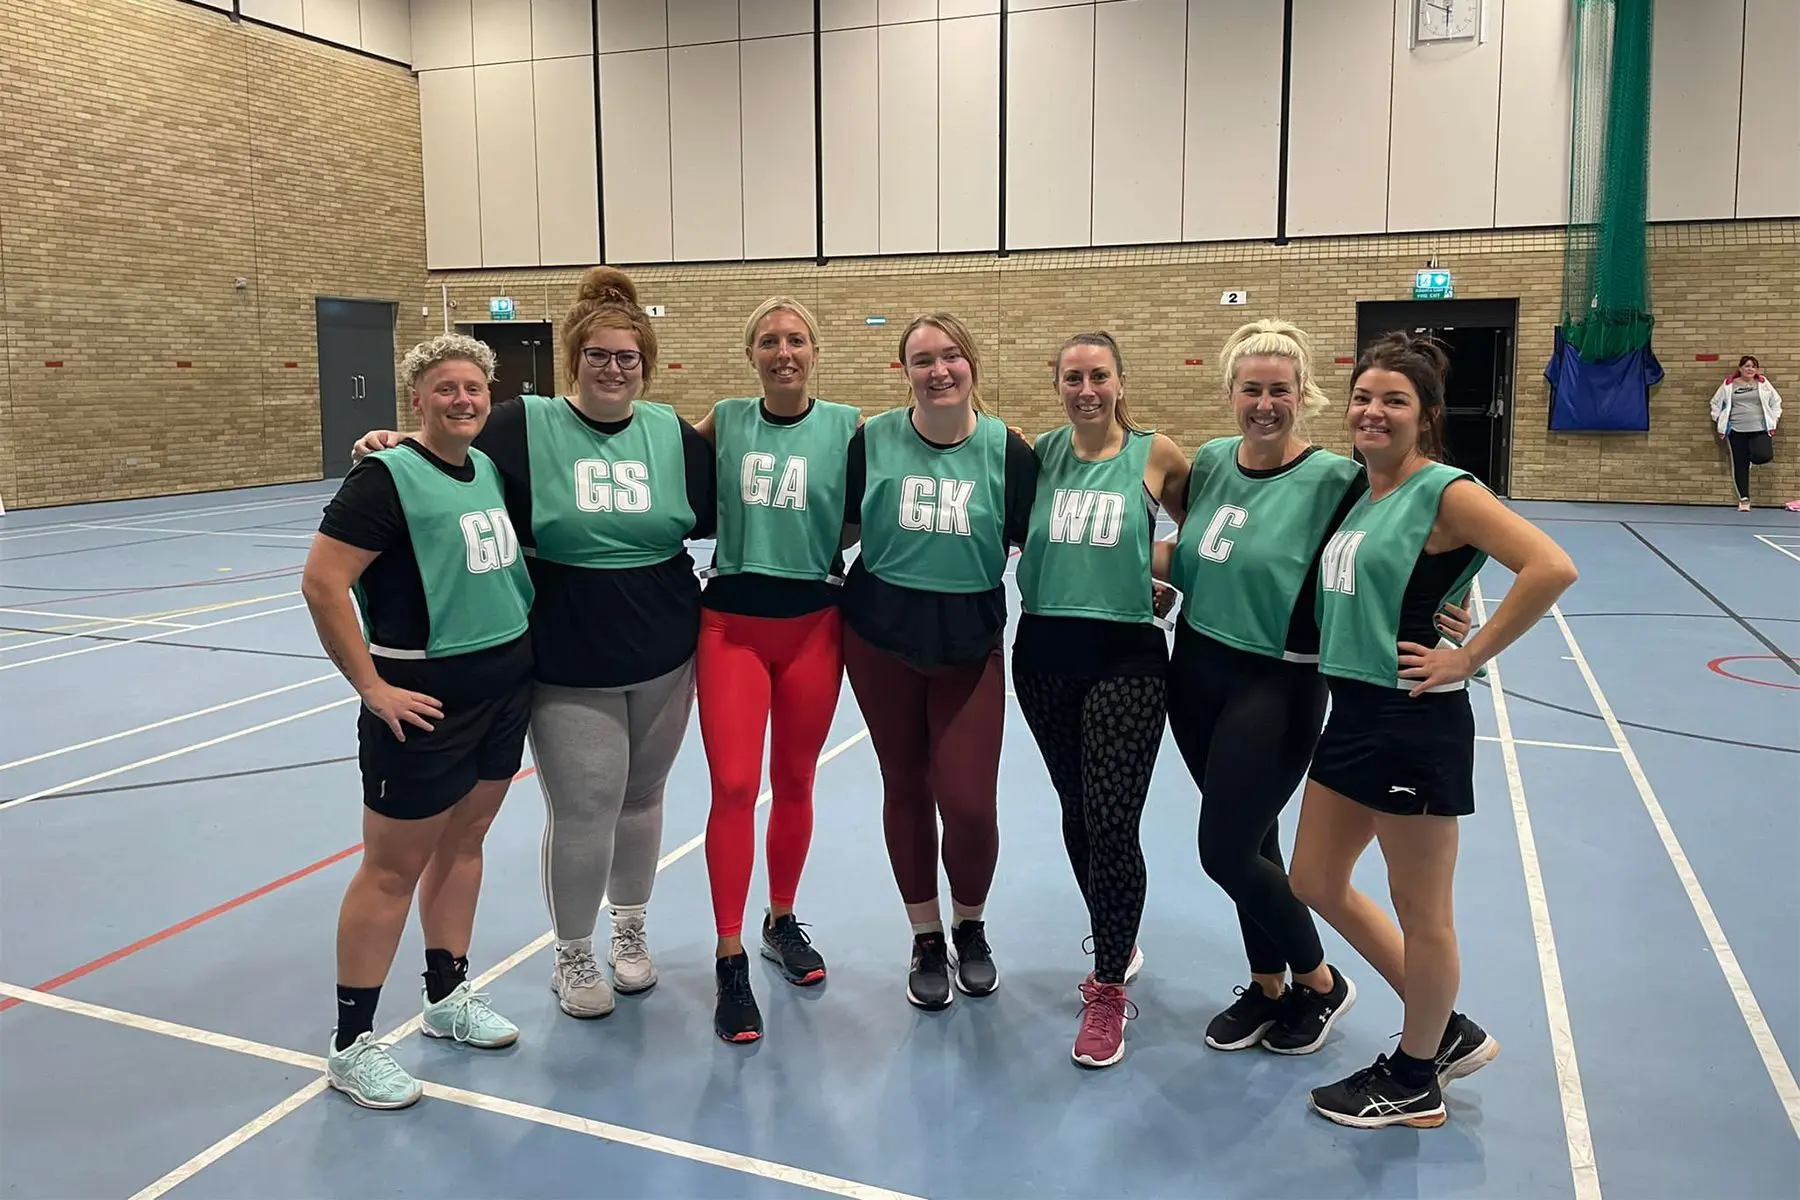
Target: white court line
(1772, 544)
(108, 522)
(238, 1137)
(237, 533)
(167, 755)
(166, 721)
(1780, 1074)
(193, 611)
(1583, 1168)
(151, 637)
(1482, 737)
(553, 1118)
(82, 620)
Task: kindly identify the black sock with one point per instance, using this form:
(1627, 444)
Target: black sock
(355, 1014)
(1411, 1072)
(444, 972)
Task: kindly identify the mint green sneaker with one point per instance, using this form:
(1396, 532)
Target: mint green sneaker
(464, 1016)
(368, 1074)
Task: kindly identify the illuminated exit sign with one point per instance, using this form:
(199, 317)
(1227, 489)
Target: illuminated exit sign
(1432, 285)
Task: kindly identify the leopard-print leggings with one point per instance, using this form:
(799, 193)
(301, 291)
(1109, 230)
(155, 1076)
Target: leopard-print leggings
(1099, 739)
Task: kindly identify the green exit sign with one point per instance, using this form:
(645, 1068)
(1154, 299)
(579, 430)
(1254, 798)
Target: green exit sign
(1432, 285)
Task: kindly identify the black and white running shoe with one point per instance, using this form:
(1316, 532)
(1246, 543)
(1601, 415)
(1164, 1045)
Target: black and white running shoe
(1466, 1048)
(1372, 1098)
(1306, 1016)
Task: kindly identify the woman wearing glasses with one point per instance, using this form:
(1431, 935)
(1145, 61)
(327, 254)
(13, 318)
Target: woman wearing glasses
(606, 488)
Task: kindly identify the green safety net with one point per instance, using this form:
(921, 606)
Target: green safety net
(1606, 269)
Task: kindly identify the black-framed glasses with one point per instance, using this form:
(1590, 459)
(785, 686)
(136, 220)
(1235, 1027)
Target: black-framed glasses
(597, 358)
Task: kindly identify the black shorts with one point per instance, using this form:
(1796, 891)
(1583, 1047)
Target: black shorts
(1397, 753)
(430, 771)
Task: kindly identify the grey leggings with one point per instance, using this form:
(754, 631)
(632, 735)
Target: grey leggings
(603, 756)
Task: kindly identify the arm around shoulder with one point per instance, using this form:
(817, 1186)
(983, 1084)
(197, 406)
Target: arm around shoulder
(1167, 458)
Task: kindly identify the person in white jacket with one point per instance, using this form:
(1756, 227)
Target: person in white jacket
(1745, 411)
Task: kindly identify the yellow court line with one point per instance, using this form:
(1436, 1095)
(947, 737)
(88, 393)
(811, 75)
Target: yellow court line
(111, 624)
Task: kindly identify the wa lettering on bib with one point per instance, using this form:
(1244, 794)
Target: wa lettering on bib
(1337, 565)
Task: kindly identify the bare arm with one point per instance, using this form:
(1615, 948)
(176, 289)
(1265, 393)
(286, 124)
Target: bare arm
(704, 426)
(1167, 459)
(1471, 515)
(375, 439)
(331, 568)
(1162, 559)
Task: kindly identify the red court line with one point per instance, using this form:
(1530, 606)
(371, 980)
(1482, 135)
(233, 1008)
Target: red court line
(1717, 667)
(220, 910)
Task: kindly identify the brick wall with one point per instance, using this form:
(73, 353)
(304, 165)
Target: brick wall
(1722, 289)
(154, 153)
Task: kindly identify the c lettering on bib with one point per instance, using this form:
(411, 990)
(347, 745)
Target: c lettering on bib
(602, 486)
(1213, 543)
(935, 505)
(758, 484)
(1071, 510)
(489, 539)
(1337, 568)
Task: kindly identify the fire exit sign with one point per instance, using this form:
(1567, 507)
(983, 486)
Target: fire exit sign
(1432, 285)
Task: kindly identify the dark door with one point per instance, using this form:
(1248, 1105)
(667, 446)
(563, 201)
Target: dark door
(1479, 337)
(356, 376)
(524, 358)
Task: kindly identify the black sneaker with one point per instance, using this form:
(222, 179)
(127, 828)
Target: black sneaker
(976, 973)
(1373, 1098)
(1307, 1016)
(785, 943)
(735, 1016)
(928, 982)
(1466, 1048)
(1250, 1016)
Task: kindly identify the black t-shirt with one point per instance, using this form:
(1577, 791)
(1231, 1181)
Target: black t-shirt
(931, 629)
(749, 594)
(366, 513)
(605, 628)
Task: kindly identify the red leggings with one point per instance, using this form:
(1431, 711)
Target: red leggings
(754, 673)
(937, 736)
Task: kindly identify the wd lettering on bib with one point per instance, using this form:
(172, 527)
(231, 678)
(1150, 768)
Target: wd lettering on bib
(935, 505)
(602, 486)
(1337, 567)
(760, 485)
(1213, 543)
(490, 540)
(1072, 509)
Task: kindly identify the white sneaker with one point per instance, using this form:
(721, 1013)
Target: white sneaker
(633, 971)
(579, 983)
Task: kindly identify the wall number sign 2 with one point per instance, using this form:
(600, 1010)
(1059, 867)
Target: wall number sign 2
(1234, 297)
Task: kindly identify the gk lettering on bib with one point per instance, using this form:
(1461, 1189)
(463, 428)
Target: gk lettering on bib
(490, 540)
(759, 485)
(1073, 509)
(935, 505)
(602, 486)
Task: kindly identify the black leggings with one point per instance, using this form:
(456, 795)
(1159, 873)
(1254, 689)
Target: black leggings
(1099, 739)
(1247, 725)
(1756, 447)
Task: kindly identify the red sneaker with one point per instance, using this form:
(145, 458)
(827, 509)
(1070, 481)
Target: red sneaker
(1101, 1041)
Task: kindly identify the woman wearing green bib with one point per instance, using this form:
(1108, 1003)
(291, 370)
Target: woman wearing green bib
(419, 536)
(1395, 763)
(939, 490)
(605, 488)
(1090, 656)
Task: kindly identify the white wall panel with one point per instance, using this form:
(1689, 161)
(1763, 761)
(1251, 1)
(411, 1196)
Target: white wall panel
(894, 12)
(334, 21)
(502, 31)
(1050, 128)
(1232, 155)
(568, 204)
(442, 34)
(706, 176)
(969, 134)
(452, 191)
(1446, 129)
(634, 150)
(1769, 137)
(632, 24)
(908, 83)
(846, 14)
(286, 13)
(780, 187)
(692, 22)
(1140, 67)
(562, 28)
(386, 29)
(506, 163)
(1696, 52)
(1537, 48)
(774, 18)
(852, 149)
(1343, 54)
(948, 9)
(1018, 6)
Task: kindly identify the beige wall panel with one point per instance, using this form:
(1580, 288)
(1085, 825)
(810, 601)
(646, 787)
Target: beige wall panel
(1232, 143)
(1050, 128)
(452, 188)
(568, 202)
(1531, 185)
(705, 148)
(506, 152)
(969, 134)
(1769, 136)
(1696, 52)
(780, 192)
(1140, 67)
(1338, 115)
(443, 34)
(634, 150)
(908, 85)
(852, 150)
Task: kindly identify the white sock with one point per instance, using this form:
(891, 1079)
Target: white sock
(920, 928)
(967, 914)
(627, 912)
(586, 943)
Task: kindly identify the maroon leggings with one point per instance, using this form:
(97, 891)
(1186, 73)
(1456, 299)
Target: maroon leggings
(937, 736)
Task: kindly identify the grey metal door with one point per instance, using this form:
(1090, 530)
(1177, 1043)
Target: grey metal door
(356, 376)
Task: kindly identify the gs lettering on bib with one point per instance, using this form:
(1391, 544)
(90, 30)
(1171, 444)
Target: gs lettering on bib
(602, 486)
(490, 540)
